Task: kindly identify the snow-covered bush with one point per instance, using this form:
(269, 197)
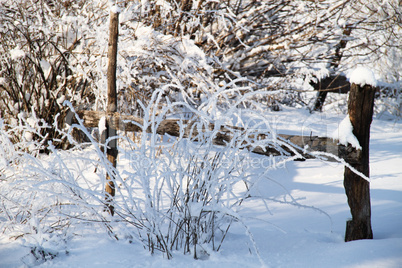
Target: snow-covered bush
(185, 193)
(40, 63)
(153, 60)
(172, 194)
(47, 199)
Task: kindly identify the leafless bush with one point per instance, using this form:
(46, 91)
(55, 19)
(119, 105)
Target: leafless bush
(37, 71)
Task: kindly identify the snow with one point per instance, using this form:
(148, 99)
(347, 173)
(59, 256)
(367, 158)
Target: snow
(362, 76)
(115, 9)
(46, 67)
(344, 134)
(102, 125)
(286, 236)
(28, 136)
(17, 53)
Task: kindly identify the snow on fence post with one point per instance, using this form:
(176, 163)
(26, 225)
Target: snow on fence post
(360, 110)
(111, 131)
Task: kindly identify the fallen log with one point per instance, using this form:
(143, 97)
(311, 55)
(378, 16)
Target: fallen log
(303, 145)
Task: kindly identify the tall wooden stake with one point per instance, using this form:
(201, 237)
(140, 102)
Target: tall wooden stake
(111, 105)
(360, 109)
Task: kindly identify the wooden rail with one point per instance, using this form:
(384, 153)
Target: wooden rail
(302, 144)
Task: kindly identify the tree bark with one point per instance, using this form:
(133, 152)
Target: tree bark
(360, 109)
(111, 151)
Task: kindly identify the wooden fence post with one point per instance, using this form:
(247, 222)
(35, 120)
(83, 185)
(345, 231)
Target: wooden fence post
(111, 151)
(360, 109)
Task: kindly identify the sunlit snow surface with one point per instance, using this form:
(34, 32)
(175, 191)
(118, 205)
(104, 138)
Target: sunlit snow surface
(286, 236)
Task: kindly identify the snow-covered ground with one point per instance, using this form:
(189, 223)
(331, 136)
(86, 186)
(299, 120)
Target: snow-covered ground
(285, 235)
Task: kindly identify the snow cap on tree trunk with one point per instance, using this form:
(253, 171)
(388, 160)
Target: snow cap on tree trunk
(114, 8)
(362, 76)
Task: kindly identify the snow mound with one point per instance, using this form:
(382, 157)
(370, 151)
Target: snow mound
(362, 76)
(345, 135)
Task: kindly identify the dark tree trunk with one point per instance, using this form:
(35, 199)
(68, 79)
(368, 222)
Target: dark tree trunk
(319, 102)
(111, 106)
(360, 109)
(320, 86)
(337, 84)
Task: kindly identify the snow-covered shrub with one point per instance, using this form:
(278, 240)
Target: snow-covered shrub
(150, 60)
(45, 49)
(186, 197)
(184, 193)
(48, 199)
(172, 194)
